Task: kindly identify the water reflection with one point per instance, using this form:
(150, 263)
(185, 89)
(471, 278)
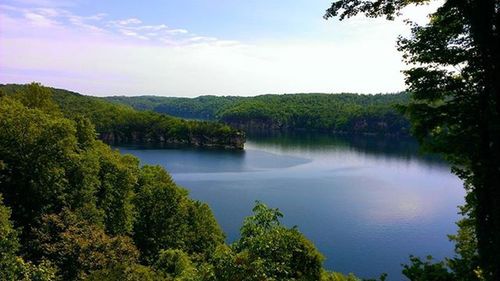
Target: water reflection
(401, 148)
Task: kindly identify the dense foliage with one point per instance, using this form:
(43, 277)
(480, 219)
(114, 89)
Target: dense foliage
(454, 76)
(120, 123)
(203, 107)
(71, 208)
(350, 113)
(267, 250)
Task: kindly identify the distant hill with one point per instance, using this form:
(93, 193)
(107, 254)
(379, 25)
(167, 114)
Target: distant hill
(118, 123)
(340, 113)
(204, 107)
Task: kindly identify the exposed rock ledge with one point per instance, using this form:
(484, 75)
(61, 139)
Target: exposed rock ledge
(235, 141)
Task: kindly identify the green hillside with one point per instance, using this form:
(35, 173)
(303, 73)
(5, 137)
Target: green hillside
(120, 123)
(339, 113)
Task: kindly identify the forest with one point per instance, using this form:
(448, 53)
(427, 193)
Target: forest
(122, 124)
(72, 208)
(333, 113)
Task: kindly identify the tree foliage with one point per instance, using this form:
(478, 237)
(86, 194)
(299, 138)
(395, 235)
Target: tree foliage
(119, 123)
(78, 247)
(12, 266)
(78, 202)
(267, 250)
(38, 151)
(167, 218)
(351, 113)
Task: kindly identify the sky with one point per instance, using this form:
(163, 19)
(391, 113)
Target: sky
(199, 47)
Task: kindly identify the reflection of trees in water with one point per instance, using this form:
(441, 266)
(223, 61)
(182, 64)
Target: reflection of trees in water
(401, 148)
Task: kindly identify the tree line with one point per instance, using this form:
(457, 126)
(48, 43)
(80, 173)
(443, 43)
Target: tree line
(341, 113)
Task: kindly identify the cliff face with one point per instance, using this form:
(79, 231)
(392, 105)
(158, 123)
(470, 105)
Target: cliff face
(256, 125)
(359, 125)
(234, 141)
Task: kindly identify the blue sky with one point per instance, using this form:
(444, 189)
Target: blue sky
(196, 47)
(241, 20)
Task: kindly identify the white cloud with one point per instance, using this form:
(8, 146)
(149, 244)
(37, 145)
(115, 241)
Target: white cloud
(202, 38)
(133, 34)
(130, 21)
(151, 27)
(48, 3)
(51, 17)
(82, 22)
(130, 27)
(128, 32)
(49, 12)
(177, 31)
(40, 20)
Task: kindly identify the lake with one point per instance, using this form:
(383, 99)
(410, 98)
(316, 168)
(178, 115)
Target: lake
(366, 202)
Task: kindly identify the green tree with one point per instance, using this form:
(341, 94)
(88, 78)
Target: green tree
(13, 267)
(167, 218)
(267, 250)
(336, 276)
(176, 264)
(117, 179)
(172, 265)
(119, 123)
(160, 209)
(426, 270)
(127, 272)
(455, 82)
(352, 113)
(48, 162)
(9, 245)
(78, 247)
(37, 150)
(465, 264)
(85, 132)
(35, 95)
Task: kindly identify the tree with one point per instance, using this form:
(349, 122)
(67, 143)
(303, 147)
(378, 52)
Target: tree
(465, 264)
(267, 250)
(117, 177)
(176, 264)
(127, 272)
(427, 270)
(120, 123)
(85, 132)
(13, 267)
(37, 151)
(79, 247)
(455, 83)
(9, 245)
(168, 219)
(35, 95)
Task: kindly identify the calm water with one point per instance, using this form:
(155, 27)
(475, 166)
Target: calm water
(367, 203)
